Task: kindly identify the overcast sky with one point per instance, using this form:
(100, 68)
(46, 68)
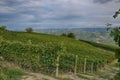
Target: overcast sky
(19, 14)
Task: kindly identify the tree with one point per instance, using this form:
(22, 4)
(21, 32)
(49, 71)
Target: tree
(63, 34)
(71, 35)
(3, 28)
(29, 30)
(116, 13)
(115, 33)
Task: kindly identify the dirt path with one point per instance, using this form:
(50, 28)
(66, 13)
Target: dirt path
(37, 76)
(107, 73)
(29, 76)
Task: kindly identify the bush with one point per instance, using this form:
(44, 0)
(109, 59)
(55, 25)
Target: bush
(3, 27)
(10, 74)
(117, 53)
(71, 35)
(29, 30)
(63, 34)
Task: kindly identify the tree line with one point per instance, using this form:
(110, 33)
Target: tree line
(29, 30)
(69, 35)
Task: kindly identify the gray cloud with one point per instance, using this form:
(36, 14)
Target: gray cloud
(48, 13)
(105, 1)
(102, 1)
(118, 1)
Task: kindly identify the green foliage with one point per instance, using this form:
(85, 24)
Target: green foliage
(63, 34)
(29, 30)
(90, 34)
(71, 35)
(115, 33)
(38, 52)
(10, 74)
(28, 56)
(117, 53)
(117, 77)
(3, 28)
(102, 46)
(116, 14)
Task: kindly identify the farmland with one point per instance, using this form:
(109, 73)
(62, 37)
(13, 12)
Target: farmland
(40, 52)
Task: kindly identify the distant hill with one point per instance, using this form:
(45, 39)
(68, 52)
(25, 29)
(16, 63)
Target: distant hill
(94, 29)
(99, 35)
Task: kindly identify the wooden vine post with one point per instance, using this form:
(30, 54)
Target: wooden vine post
(92, 67)
(105, 64)
(119, 63)
(75, 68)
(101, 66)
(38, 59)
(57, 66)
(97, 68)
(84, 65)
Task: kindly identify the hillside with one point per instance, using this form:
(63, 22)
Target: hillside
(99, 35)
(39, 53)
(73, 46)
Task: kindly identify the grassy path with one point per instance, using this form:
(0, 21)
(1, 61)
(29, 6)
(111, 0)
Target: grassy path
(107, 73)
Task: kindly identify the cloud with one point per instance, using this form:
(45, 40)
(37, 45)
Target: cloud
(56, 13)
(105, 1)
(102, 1)
(118, 1)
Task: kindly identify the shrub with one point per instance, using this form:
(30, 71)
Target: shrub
(29, 30)
(63, 34)
(3, 27)
(71, 35)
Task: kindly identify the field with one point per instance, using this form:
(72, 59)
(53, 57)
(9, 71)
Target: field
(45, 53)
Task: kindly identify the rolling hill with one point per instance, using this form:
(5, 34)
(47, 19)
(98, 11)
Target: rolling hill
(99, 35)
(39, 52)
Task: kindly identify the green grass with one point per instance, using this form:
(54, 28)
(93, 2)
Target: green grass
(10, 74)
(103, 46)
(102, 75)
(82, 76)
(117, 77)
(73, 46)
(64, 79)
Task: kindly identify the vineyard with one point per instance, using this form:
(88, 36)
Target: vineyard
(51, 54)
(103, 46)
